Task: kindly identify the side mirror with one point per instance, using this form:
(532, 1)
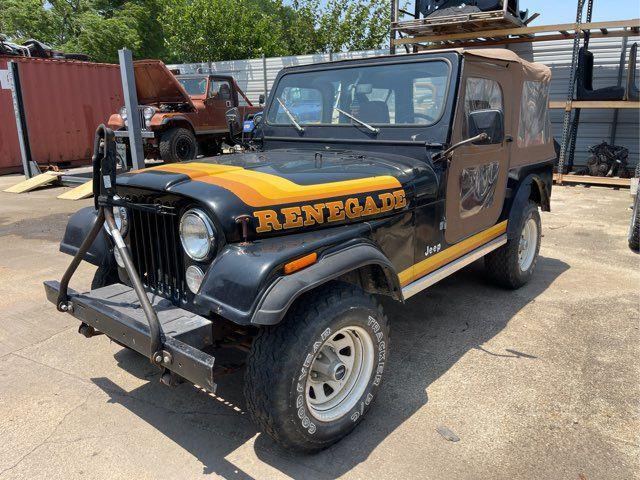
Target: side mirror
(261, 99)
(489, 122)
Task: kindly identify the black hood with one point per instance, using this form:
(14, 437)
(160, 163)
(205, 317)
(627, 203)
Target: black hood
(286, 190)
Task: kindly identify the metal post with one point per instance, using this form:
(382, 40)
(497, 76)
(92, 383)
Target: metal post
(616, 112)
(392, 32)
(264, 75)
(134, 127)
(29, 167)
(566, 123)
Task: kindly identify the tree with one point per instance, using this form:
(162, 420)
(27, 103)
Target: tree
(206, 30)
(197, 30)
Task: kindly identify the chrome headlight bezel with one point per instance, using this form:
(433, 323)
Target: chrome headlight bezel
(148, 112)
(121, 217)
(208, 231)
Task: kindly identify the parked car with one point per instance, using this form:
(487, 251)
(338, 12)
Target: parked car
(404, 170)
(181, 115)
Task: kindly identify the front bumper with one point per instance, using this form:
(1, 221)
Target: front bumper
(115, 311)
(143, 133)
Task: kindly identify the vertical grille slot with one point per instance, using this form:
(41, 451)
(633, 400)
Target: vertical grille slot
(156, 252)
(143, 124)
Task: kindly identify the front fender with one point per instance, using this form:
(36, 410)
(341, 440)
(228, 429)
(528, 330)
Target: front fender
(286, 289)
(245, 282)
(78, 226)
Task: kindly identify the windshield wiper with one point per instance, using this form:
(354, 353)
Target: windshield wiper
(357, 120)
(290, 115)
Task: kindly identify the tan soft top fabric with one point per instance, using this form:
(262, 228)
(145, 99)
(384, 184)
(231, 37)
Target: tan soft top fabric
(532, 71)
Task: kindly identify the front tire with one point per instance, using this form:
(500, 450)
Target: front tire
(178, 145)
(512, 265)
(311, 379)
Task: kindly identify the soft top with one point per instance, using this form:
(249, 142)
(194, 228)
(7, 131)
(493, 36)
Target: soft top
(534, 71)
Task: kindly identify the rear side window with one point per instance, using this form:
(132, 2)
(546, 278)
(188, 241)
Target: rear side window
(535, 127)
(481, 94)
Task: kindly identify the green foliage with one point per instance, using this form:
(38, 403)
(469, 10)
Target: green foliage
(197, 30)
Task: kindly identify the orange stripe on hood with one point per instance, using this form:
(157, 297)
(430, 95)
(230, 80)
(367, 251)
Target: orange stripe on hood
(258, 189)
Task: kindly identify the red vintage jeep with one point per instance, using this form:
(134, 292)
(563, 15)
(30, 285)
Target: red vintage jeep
(182, 115)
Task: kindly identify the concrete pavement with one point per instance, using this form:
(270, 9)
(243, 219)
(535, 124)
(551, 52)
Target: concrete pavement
(538, 383)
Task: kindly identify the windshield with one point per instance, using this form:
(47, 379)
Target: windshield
(382, 95)
(194, 86)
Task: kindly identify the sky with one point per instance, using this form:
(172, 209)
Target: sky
(564, 11)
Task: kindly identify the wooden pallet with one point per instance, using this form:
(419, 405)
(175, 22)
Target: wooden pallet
(503, 36)
(467, 22)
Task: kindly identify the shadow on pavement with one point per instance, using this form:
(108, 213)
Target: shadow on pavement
(428, 334)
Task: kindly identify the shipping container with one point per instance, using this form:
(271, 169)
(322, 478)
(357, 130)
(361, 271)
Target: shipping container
(64, 101)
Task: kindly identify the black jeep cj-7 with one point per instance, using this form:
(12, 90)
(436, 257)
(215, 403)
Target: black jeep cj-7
(378, 176)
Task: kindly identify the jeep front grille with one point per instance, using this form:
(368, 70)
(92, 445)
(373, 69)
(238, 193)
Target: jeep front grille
(157, 253)
(143, 123)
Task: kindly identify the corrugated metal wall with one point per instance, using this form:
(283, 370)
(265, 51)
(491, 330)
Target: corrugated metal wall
(595, 125)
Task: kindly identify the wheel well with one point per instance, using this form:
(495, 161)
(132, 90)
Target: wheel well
(374, 279)
(177, 124)
(539, 194)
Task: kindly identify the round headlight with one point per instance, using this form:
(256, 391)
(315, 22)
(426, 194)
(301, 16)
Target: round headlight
(197, 235)
(194, 276)
(123, 112)
(122, 220)
(149, 112)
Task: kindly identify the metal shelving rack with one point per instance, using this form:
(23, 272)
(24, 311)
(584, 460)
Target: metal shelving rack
(421, 36)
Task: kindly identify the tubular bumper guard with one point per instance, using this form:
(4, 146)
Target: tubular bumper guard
(116, 311)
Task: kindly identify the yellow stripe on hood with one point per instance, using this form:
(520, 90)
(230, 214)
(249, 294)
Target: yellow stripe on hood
(258, 189)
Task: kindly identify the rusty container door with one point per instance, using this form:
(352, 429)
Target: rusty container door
(10, 160)
(64, 102)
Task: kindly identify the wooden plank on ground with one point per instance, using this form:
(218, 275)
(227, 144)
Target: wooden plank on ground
(83, 191)
(589, 180)
(41, 180)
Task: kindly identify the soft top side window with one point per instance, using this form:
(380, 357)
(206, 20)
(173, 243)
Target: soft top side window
(481, 94)
(535, 126)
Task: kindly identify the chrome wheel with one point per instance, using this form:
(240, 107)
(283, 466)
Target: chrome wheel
(528, 244)
(339, 373)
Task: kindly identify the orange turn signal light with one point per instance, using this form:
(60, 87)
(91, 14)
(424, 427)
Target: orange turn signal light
(300, 263)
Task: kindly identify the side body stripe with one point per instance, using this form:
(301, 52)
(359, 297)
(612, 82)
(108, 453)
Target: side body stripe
(450, 254)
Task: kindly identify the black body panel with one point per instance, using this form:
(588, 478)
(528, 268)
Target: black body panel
(78, 226)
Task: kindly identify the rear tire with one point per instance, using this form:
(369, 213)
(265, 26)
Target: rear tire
(178, 145)
(512, 265)
(289, 393)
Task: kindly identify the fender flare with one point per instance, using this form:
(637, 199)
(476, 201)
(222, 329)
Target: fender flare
(78, 226)
(281, 294)
(178, 119)
(523, 194)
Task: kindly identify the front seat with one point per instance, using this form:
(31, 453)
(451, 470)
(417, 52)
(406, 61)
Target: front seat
(373, 111)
